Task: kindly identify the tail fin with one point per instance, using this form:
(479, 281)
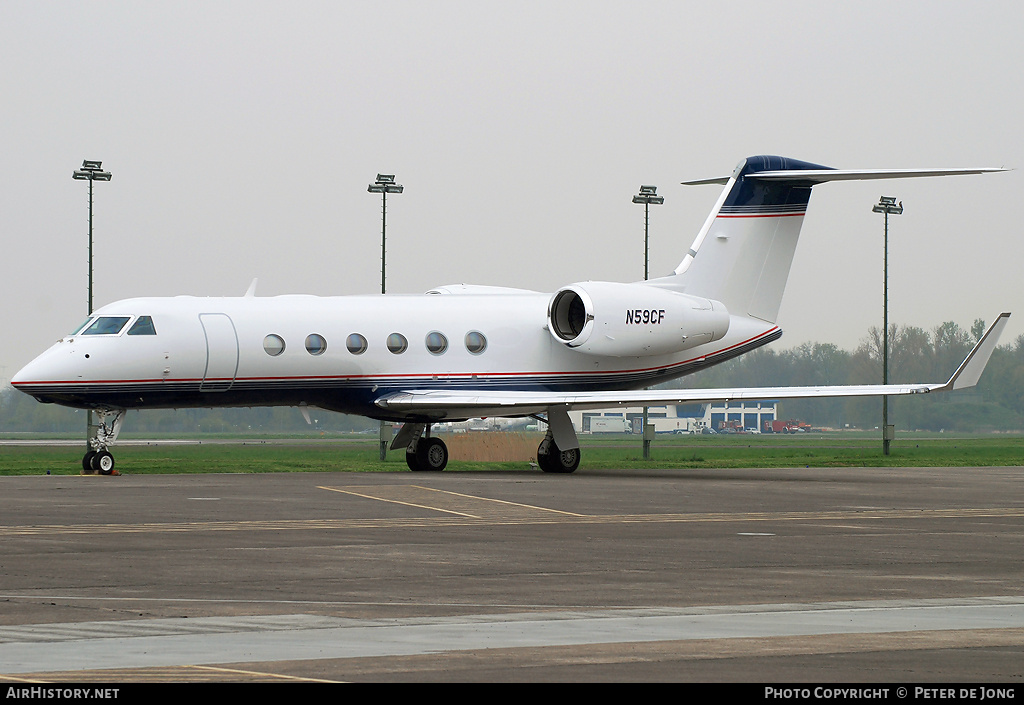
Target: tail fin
(743, 253)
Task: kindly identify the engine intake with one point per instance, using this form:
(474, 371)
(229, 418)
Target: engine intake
(631, 320)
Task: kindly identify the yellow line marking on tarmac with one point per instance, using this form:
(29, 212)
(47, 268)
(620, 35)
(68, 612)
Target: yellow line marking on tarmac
(471, 506)
(537, 516)
(161, 674)
(395, 501)
(262, 674)
(502, 501)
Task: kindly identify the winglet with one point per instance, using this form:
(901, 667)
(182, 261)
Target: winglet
(970, 369)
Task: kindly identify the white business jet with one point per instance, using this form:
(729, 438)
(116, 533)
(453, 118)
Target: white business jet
(460, 352)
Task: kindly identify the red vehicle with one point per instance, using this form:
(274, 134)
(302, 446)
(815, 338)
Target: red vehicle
(790, 426)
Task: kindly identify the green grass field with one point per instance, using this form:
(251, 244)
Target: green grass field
(359, 454)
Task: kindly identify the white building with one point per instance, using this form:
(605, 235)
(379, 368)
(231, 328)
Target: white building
(678, 418)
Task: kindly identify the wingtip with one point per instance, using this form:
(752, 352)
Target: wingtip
(971, 369)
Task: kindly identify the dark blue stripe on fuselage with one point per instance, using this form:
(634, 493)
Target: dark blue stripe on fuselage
(352, 395)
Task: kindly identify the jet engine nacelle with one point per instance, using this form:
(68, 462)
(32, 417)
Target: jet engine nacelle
(629, 320)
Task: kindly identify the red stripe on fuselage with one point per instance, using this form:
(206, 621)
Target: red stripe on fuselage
(407, 375)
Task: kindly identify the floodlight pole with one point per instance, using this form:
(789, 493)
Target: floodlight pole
(91, 171)
(384, 184)
(886, 205)
(648, 196)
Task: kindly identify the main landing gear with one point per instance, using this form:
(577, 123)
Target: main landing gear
(98, 458)
(551, 459)
(559, 452)
(423, 453)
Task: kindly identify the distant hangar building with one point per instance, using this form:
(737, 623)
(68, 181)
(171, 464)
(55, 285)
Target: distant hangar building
(679, 418)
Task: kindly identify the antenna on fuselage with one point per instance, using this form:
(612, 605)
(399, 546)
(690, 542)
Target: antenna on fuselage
(251, 291)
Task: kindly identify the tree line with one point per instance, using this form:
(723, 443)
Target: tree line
(915, 355)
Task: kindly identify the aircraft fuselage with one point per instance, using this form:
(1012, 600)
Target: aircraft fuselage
(341, 353)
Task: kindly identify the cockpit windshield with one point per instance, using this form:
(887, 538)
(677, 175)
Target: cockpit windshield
(143, 326)
(83, 324)
(106, 325)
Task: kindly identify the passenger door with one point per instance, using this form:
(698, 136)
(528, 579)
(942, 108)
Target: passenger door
(221, 352)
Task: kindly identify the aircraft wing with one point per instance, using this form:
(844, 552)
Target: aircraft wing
(444, 404)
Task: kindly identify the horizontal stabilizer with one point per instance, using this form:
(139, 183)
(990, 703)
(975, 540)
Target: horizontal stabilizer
(820, 176)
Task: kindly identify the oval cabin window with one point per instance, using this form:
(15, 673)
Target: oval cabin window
(316, 344)
(273, 344)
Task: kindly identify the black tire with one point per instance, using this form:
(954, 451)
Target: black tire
(103, 463)
(87, 461)
(431, 455)
(410, 460)
(558, 461)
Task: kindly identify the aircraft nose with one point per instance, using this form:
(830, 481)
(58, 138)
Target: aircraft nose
(28, 373)
(20, 375)
(39, 374)
(52, 377)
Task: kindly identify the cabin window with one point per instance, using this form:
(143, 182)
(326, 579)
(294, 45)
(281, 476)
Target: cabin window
(356, 344)
(273, 344)
(436, 343)
(397, 343)
(143, 326)
(106, 325)
(315, 344)
(476, 343)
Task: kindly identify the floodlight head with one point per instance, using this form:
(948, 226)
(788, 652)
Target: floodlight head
(647, 196)
(90, 171)
(887, 204)
(385, 183)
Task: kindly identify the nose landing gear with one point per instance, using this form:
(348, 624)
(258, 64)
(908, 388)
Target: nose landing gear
(98, 459)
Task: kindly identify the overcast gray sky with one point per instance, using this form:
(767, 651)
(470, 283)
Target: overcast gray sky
(242, 136)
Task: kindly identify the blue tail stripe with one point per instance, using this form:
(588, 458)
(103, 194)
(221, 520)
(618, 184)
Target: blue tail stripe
(755, 197)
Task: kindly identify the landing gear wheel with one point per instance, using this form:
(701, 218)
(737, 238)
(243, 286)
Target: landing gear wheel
(87, 461)
(103, 463)
(431, 455)
(558, 461)
(410, 460)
